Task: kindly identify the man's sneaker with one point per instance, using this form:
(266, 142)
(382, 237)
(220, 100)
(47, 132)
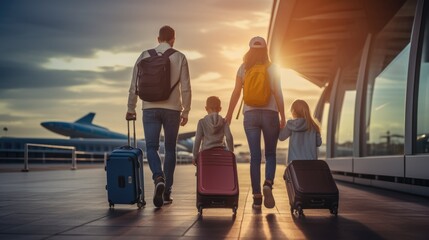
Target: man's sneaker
(158, 200)
(167, 198)
(257, 202)
(269, 201)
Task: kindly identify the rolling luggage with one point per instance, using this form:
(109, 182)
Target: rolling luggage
(124, 170)
(217, 180)
(310, 185)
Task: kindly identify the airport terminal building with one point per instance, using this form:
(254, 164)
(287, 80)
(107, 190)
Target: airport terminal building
(371, 58)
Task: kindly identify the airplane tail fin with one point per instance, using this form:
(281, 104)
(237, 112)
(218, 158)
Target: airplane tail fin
(87, 119)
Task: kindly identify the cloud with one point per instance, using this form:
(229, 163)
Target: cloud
(259, 19)
(192, 54)
(95, 87)
(24, 75)
(234, 52)
(117, 101)
(10, 118)
(98, 62)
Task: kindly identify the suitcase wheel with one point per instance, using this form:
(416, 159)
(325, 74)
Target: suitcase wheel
(111, 205)
(334, 210)
(200, 211)
(141, 202)
(298, 209)
(234, 210)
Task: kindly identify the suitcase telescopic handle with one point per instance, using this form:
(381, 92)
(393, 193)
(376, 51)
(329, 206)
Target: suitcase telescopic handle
(134, 133)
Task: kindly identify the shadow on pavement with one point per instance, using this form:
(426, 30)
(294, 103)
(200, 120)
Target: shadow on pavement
(331, 227)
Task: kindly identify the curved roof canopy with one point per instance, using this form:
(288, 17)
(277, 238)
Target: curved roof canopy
(316, 37)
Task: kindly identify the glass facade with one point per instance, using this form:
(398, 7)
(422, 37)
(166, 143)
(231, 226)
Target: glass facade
(422, 141)
(324, 131)
(346, 99)
(387, 80)
(344, 132)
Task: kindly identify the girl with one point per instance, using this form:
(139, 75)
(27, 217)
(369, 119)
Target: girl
(303, 131)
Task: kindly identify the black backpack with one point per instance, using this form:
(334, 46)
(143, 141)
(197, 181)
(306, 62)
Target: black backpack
(153, 77)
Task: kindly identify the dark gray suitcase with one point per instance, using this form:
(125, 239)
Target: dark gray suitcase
(310, 185)
(124, 170)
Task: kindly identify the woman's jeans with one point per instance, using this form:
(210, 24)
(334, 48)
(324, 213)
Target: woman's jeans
(267, 123)
(169, 120)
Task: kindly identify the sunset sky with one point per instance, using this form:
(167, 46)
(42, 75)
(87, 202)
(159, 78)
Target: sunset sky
(62, 59)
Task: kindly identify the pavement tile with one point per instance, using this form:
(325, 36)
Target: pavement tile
(62, 204)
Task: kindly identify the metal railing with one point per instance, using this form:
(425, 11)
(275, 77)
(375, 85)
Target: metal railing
(179, 158)
(27, 149)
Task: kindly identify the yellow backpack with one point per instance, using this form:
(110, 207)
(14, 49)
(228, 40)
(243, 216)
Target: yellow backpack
(256, 86)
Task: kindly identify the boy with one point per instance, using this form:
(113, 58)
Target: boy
(212, 129)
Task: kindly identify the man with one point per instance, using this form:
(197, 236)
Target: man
(168, 114)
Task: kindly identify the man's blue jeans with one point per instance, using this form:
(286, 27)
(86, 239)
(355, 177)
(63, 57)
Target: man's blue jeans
(267, 123)
(169, 120)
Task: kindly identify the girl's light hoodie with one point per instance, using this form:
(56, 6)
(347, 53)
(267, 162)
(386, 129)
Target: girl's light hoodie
(303, 143)
(212, 131)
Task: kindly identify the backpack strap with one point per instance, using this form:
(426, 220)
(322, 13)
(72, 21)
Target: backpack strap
(174, 86)
(168, 52)
(239, 109)
(152, 52)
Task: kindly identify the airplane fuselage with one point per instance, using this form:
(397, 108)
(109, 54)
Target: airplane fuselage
(78, 130)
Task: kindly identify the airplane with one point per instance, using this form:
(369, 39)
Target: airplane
(82, 128)
(89, 139)
(85, 129)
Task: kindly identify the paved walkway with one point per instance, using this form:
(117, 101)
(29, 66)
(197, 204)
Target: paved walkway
(65, 204)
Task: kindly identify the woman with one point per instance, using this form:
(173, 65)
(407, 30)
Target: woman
(260, 119)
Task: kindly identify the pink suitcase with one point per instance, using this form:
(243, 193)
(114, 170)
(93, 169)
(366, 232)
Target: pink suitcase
(217, 181)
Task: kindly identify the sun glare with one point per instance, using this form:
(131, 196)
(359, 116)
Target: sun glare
(294, 80)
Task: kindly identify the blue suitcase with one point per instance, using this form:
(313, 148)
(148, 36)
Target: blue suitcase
(124, 170)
